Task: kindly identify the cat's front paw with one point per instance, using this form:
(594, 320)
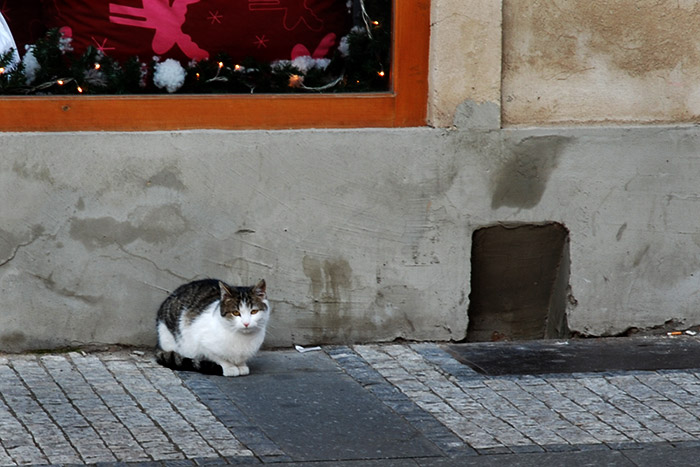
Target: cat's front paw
(235, 370)
(230, 370)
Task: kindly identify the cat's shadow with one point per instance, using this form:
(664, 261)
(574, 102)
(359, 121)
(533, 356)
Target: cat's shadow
(279, 362)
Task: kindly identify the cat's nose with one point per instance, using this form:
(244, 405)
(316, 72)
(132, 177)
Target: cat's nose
(246, 324)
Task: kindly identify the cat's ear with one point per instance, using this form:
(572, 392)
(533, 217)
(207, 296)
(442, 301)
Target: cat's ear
(224, 290)
(259, 289)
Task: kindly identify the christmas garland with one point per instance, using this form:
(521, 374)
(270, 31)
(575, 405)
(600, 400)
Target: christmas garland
(49, 66)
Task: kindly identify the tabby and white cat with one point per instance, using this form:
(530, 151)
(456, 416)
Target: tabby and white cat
(212, 327)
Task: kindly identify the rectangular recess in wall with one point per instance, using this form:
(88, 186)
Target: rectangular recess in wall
(519, 282)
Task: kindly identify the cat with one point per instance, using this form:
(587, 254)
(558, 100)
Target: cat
(212, 327)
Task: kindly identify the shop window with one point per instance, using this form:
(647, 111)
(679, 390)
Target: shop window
(401, 102)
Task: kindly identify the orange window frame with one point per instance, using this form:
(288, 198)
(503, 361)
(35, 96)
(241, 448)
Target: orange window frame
(405, 105)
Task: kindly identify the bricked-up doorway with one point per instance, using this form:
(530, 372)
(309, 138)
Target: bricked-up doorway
(519, 282)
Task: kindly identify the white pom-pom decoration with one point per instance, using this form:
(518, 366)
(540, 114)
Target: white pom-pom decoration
(344, 46)
(7, 42)
(31, 65)
(169, 75)
(305, 63)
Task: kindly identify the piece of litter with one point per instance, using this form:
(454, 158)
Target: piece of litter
(674, 333)
(306, 349)
(690, 333)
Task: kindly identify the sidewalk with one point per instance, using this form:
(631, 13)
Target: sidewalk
(364, 405)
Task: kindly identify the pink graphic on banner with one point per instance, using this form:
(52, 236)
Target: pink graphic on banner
(101, 46)
(261, 41)
(215, 17)
(295, 12)
(321, 51)
(167, 21)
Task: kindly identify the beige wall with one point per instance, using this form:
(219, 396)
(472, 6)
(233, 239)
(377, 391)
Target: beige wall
(553, 62)
(465, 56)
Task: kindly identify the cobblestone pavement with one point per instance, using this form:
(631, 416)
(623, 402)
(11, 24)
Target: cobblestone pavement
(540, 413)
(120, 406)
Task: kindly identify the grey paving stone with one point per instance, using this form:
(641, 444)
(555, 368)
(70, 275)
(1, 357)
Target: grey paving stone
(351, 463)
(399, 402)
(578, 355)
(183, 436)
(663, 455)
(44, 433)
(125, 410)
(316, 416)
(231, 417)
(569, 459)
(19, 446)
(119, 406)
(77, 429)
(201, 419)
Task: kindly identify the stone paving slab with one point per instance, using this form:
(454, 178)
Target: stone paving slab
(374, 405)
(649, 353)
(314, 412)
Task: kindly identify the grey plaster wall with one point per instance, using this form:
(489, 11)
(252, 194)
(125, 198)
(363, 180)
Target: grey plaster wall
(362, 235)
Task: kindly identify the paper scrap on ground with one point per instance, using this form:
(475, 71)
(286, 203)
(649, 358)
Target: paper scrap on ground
(306, 349)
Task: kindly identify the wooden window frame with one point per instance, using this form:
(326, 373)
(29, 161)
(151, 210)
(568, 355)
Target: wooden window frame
(405, 105)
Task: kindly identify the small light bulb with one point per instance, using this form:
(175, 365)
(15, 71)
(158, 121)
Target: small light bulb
(197, 75)
(376, 23)
(60, 82)
(97, 66)
(80, 90)
(381, 73)
(237, 67)
(221, 65)
(296, 81)
(2, 70)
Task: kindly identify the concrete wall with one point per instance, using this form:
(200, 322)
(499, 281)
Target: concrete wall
(362, 235)
(355, 245)
(365, 235)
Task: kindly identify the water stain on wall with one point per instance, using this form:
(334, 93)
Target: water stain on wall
(522, 178)
(328, 278)
(330, 289)
(12, 340)
(37, 172)
(155, 225)
(168, 177)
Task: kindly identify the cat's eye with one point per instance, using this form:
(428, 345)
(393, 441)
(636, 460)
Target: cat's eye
(236, 313)
(252, 312)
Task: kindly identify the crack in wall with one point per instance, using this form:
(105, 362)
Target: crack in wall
(37, 232)
(16, 250)
(154, 264)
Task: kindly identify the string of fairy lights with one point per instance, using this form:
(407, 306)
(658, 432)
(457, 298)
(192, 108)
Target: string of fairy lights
(49, 66)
